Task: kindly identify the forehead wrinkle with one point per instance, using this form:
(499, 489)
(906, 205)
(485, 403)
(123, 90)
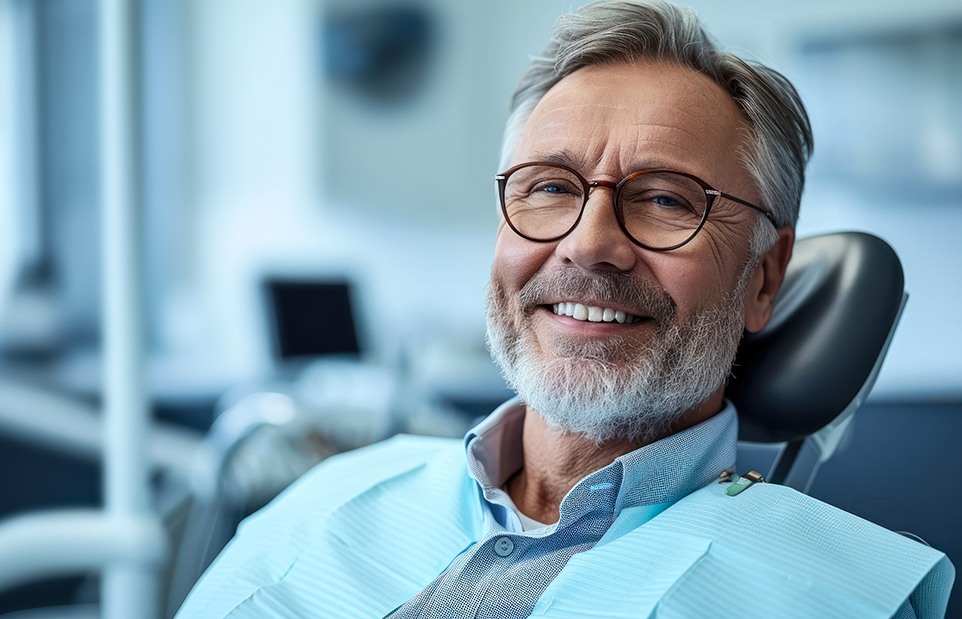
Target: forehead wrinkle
(591, 152)
(577, 151)
(660, 128)
(609, 162)
(600, 105)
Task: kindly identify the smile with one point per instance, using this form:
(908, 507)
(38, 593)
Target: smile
(591, 313)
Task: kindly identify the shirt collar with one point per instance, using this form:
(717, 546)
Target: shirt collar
(660, 472)
(494, 445)
(679, 464)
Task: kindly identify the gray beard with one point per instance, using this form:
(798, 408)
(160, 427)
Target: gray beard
(614, 388)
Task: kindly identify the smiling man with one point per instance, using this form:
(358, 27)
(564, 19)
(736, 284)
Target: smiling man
(616, 305)
(650, 189)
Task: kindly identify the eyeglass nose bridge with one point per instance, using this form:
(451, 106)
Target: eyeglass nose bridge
(614, 187)
(606, 184)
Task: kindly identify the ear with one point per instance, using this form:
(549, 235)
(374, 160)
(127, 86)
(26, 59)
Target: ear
(766, 280)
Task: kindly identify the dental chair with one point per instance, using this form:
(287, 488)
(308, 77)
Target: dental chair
(798, 382)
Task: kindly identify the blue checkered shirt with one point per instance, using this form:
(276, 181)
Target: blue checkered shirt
(504, 573)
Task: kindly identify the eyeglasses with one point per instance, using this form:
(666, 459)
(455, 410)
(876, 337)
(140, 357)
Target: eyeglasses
(659, 210)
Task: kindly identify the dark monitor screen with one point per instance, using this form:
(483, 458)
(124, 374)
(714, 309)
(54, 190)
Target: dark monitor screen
(312, 318)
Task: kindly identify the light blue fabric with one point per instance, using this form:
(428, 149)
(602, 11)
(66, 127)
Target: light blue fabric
(337, 544)
(767, 552)
(348, 540)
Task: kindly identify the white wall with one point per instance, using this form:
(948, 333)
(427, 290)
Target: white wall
(251, 99)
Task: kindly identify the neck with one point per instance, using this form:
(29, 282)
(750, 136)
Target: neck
(554, 461)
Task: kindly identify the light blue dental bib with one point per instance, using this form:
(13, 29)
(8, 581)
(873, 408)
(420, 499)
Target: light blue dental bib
(366, 531)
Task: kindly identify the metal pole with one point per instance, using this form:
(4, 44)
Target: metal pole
(130, 588)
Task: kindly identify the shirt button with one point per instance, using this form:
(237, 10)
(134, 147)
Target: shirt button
(503, 547)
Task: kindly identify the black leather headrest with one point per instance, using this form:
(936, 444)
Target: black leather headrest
(832, 320)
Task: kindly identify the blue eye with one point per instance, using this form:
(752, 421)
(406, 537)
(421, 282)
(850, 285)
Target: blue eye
(666, 201)
(552, 188)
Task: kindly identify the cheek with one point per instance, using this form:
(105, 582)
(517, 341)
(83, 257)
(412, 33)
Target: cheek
(516, 260)
(695, 282)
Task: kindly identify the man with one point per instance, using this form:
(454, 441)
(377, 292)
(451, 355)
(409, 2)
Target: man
(648, 203)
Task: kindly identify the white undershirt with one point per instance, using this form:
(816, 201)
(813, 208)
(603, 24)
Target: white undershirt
(527, 524)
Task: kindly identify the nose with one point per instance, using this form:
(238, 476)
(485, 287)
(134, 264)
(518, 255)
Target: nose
(598, 243)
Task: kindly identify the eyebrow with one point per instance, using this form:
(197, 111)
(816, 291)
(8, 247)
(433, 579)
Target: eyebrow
(558, 157)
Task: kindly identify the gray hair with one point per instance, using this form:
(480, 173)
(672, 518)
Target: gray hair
(780, 142)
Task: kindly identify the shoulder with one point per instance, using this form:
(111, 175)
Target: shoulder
(293, 530)
(767, 552)
(790, 540)
(385, 457)
(344, 476)
(778, 520)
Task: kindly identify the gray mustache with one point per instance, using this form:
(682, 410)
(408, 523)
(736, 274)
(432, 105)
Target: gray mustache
(614, 288)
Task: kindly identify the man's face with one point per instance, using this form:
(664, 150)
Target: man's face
(685, 307)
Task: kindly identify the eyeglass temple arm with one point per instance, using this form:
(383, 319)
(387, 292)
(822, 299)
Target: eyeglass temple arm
(748, 204)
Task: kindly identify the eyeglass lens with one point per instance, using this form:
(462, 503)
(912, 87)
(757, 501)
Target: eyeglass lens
(657, 209)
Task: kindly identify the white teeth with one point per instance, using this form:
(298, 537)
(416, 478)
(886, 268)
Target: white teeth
(592, 313)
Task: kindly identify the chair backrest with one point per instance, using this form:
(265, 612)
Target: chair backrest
(801, 378)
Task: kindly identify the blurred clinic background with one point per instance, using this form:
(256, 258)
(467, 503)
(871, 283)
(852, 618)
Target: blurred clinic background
(315, 179)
